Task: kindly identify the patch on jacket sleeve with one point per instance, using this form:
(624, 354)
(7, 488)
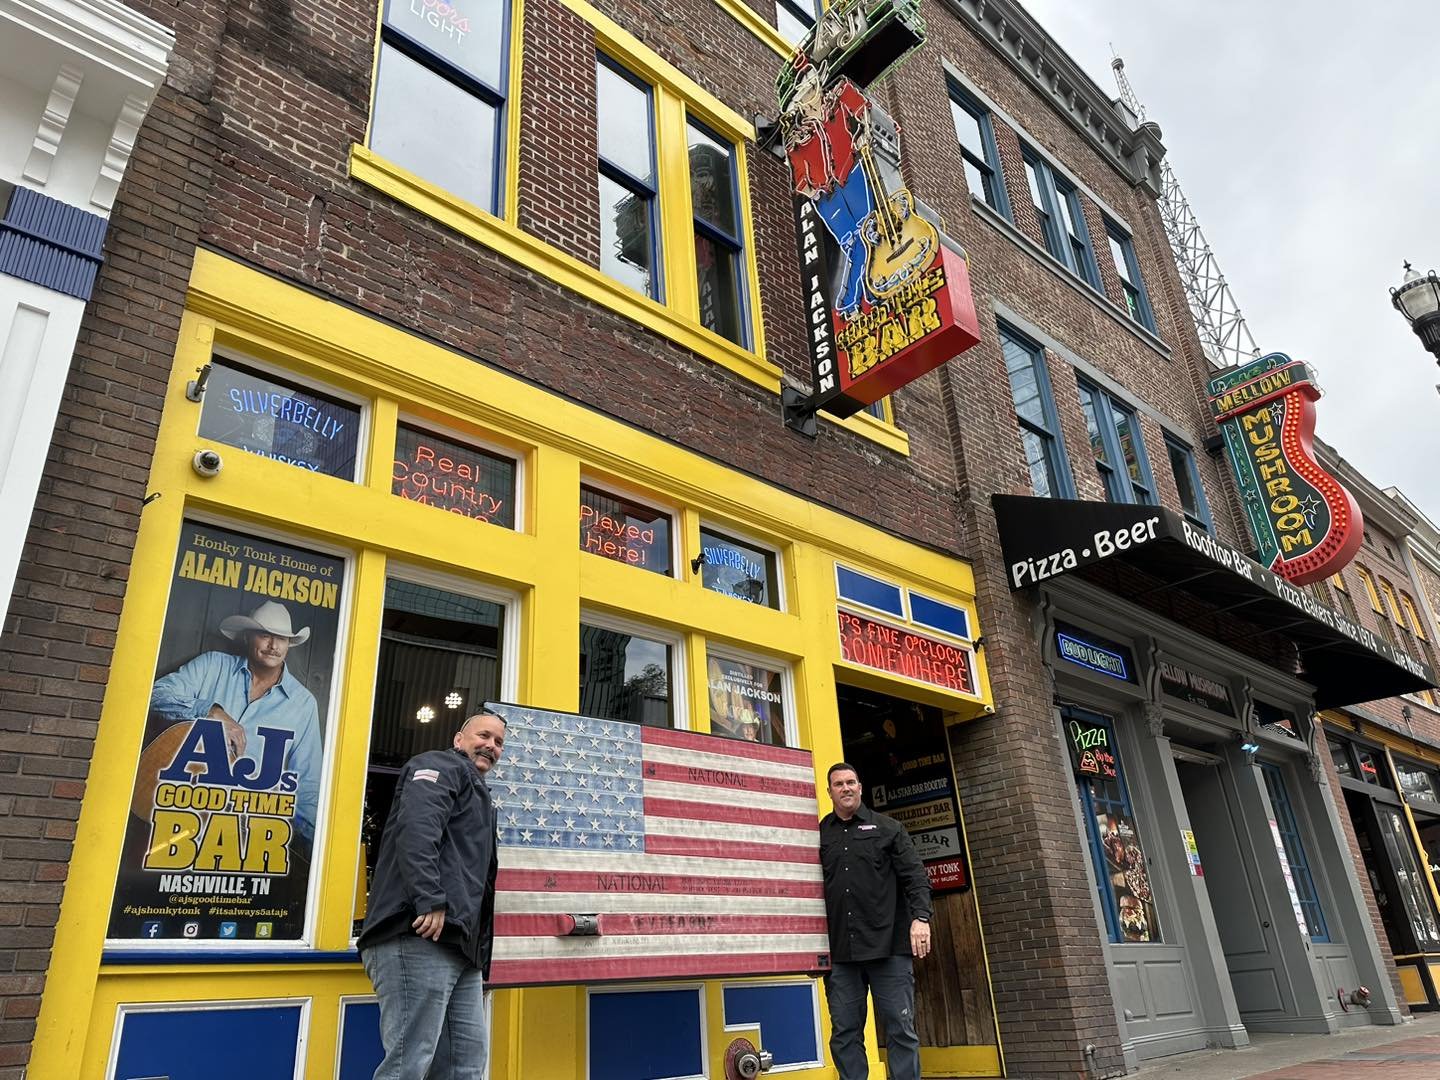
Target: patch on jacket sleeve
(433, 775)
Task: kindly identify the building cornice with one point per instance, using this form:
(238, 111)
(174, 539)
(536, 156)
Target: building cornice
(99, 59)
(1132, 147)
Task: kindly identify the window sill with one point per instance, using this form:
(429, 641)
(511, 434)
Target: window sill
(500, 236)
(751, 20)
(987, 213)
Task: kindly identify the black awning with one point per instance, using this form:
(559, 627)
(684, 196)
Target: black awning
(1044, 538)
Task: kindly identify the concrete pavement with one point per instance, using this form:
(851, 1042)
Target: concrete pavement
(1408, 1052)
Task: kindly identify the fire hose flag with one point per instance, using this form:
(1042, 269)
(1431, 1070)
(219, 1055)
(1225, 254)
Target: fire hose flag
(631, 852)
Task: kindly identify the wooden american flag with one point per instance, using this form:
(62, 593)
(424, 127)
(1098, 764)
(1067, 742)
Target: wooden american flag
(697, 855)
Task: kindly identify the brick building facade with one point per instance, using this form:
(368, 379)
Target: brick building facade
(281, 221)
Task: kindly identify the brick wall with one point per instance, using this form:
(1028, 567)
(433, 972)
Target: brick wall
(246, 151)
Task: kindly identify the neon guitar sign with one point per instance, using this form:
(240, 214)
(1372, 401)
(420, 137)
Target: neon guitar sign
(887, 294)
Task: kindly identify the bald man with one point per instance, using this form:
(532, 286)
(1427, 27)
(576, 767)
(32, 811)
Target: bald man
(430, 920)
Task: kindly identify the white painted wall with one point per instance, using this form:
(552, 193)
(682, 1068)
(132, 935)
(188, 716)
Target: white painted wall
(76, 80)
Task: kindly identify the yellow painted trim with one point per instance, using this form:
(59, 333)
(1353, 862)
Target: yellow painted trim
(676, 219)
(511, 206)
(644, 61)
(1412, 984)
(237, 308)
(1420, 852)
(469, 220)
(959, 1061)
(750, 19)
(752, 306)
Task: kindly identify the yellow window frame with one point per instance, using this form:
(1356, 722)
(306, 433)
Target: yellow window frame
(1369, 584)
(1389, 591)
(1413, 615)
(677, 98)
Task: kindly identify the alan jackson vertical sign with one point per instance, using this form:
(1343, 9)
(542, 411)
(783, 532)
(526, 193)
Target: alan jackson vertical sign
(887, 295)
(1306, 524)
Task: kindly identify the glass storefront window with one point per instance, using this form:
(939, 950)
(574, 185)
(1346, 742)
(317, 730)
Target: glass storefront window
(440, 660)
(1121, 868)
(747, 701)
(1293, 860)
(738, 569)
(449, 475)
(279, 420)
(1414, 889)
(621, 529)
(1340, 754)
(1417, 782)
(626, 676)
(1372, 767)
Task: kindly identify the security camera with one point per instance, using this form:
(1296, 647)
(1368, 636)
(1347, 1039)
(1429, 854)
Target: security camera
(207, 463)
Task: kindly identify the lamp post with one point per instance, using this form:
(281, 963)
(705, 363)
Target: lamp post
(1418, 299)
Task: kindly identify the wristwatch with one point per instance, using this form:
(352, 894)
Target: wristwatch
(923, 918)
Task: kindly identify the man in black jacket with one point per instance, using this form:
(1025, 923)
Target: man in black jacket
(430, 919)
(877, 901)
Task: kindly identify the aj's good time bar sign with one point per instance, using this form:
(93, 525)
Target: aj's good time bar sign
(226, 800)
(887, 295)
(1306, 525)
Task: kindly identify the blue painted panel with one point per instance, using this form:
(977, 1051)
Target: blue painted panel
(51, 243)
(785, 1016)
(646, 1035)
(872, 592)
(933, 613)
(210, 1044)
(360, 1048)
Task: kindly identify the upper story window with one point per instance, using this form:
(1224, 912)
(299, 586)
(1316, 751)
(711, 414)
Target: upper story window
(1062, 220)
(1389, 591)
(719, 246)
(1035, 412)
(1187, 482)
(1382, 621)
(1413, 615)
(1122, 251)
(1115, 439)
(795, 18)
(440, 95)
(977, 147)
(1342, 598)
(629, 194)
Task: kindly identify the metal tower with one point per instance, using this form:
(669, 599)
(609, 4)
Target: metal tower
(1223, 333)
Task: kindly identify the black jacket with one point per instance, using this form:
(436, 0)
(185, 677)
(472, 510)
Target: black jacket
(875, 884)
(438, 851)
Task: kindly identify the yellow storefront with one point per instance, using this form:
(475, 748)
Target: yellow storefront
(1390, 785)
(377, 566)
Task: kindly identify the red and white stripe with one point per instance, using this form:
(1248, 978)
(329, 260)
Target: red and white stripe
(729, 882)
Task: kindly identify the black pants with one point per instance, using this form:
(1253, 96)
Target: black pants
(891, 982)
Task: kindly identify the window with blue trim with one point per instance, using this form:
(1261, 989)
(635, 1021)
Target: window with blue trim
(1122, 252)
(1118, 447)
(629, 197)
(1122, 870)
(719, 245)
(796, 18)
(1035, 413)
(1187, 482)
(440, 96)
(1062, 219)
(1293, 847)
(983, 174)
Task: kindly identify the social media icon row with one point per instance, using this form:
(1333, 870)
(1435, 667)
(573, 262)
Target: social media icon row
(229, 931)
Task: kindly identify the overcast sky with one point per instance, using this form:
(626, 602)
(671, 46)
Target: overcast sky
(1307, 139)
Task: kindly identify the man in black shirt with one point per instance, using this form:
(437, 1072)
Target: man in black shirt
(430, 921)
(877, 900)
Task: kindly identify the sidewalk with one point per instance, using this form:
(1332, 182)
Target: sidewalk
(1408, 1052)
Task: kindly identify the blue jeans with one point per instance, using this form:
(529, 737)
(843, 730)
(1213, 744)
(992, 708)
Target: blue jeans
(432, 1011)
(891, 982)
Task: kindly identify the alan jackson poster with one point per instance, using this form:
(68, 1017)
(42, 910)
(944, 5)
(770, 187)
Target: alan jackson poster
(227, 790)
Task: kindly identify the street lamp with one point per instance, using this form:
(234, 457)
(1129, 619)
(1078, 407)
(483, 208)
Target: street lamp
(1418, 299)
